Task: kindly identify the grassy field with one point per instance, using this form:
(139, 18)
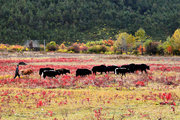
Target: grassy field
(151, 96)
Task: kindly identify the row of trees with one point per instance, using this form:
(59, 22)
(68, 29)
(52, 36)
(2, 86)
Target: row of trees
(85, 20)
(125, 43)
(143, 43)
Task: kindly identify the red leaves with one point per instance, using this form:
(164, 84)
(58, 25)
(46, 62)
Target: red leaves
(39, 104)
(98, 113)
(50, 113)
(173, 103)
(140, 83)
(166, 96)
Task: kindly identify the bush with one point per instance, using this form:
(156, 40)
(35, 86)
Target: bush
(90, 43)
(160, 49)
(97, 49)
(3, 47)
(167, 47)
(151, 47)
(62, 50)
(15, 48)
(41, 47)
(74, 48)
(52, 46)
(62, 46)
(83, 49)
(108, 42)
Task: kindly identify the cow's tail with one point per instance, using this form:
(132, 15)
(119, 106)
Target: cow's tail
(116, 71)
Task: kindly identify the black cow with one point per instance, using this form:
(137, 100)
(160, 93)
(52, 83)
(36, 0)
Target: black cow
(101, 68)
(141, 67)
(130, 67)
(63, 71)
(83, 72)
(50, 73)
(122, 71)
(41, 70)
(111, 68)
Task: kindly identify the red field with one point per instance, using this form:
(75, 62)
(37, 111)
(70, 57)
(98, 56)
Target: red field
(155, 95)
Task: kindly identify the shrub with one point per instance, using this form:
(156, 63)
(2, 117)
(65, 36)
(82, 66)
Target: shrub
(160, 49)
(15, 48)
(135, 52)
(151, 47)
(141, 49)
(62, 46)
(52, 46)
(90, 43)
(83, 48)
(62, 50)
(167, 46)
(41, 47)
(108, 42)
(97, 49)
(3, 47)
(74, 48)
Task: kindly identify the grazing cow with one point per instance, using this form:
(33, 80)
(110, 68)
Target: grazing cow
(83, 72)
(141, 67)
(122, 71)
(131, 67)
(41, 70)
(50, 73)
(101, 68)
(111, 68)
(27, 72)
(63, 71)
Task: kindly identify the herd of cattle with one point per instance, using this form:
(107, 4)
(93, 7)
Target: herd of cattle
(130, 68)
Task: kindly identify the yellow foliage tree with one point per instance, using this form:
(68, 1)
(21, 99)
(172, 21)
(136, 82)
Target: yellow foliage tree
(124, 40)
(140, 35)
(175, 40)
(131, 40)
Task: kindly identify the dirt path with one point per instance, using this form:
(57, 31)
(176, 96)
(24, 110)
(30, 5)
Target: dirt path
(85, 56)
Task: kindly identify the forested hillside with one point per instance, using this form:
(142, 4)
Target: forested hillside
(85, 20)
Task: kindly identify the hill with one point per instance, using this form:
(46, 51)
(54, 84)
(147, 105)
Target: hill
(72, 20)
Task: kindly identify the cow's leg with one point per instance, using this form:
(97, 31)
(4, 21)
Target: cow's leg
(94, 72)
(44, 76)
(121, 75)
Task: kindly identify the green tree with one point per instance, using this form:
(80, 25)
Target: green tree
(141, 37)
(52, 46)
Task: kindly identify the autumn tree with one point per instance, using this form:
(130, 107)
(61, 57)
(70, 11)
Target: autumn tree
(124, 41)
(140, 36)
(175, 41)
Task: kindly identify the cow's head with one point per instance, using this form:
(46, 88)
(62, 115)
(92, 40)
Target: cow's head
(148, 67)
